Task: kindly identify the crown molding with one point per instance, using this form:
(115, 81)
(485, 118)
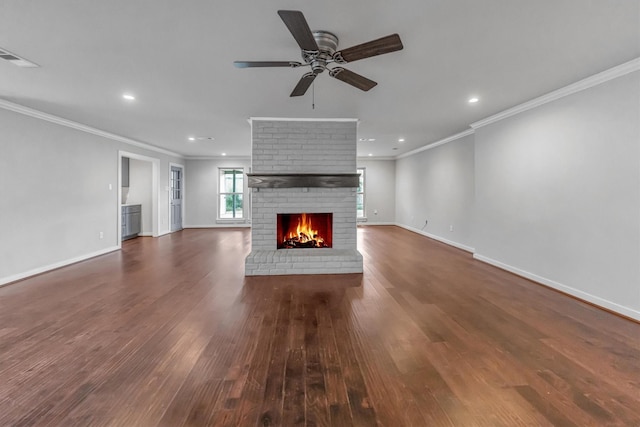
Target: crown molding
(437, 143)
(375, 158)
(226, 158)
(596, 79)
(299, 119)
(21, 109)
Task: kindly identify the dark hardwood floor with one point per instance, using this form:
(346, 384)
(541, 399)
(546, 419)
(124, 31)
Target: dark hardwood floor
(169, 332)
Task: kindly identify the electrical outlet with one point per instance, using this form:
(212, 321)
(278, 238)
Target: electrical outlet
(451, 228)
(375, 211)
(101, 235)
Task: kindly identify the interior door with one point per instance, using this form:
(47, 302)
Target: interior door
(176, 198)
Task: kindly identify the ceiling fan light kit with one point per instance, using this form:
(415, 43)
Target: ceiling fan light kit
(319, 49)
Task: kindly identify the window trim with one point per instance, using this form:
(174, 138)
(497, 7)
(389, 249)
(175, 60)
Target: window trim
(221, 193)
(363, 192)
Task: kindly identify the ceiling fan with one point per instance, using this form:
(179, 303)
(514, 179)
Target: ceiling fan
(319, 49)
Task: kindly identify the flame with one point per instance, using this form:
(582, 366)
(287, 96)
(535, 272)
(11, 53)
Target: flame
(305, 232)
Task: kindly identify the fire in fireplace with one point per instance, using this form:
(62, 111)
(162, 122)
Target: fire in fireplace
(303, 230)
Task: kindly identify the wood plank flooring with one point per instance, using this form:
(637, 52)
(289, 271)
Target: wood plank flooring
(169, 332)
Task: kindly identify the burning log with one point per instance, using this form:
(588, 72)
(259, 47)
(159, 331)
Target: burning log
(296, 242)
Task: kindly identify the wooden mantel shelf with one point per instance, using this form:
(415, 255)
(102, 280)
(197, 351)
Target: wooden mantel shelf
(278, 180)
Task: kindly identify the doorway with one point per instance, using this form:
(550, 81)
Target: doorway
(176, 193)
(139, 186)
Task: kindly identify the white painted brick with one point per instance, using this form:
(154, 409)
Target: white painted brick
(303, 147)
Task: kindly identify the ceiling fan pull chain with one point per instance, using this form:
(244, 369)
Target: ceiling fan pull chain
(313, 95)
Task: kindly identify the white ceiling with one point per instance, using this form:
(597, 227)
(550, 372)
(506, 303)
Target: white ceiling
(176, 56)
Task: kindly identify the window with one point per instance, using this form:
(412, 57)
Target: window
(231, 192)
(360, 194)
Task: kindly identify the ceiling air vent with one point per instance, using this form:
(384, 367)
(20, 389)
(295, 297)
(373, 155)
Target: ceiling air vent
(16, 60)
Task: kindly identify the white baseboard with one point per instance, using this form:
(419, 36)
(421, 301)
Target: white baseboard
(39, 270)
(625, 311)
(600, 302)
(438, 238)
(375, 223)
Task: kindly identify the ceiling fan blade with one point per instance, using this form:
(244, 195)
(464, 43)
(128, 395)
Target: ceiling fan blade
(252, 64)
(376, 47)
(297, 25)
(352, 78)
(303, 84)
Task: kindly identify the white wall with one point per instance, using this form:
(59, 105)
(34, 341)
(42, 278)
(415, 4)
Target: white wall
(558, 194)
(55, 194)
(437, 185)
(140, 192)
(551, 193)
(201, 189)
(380, 190)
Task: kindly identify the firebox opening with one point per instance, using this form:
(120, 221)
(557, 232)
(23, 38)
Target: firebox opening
(304, 230)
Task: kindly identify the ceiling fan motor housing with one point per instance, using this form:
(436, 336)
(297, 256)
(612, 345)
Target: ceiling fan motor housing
(327, 45)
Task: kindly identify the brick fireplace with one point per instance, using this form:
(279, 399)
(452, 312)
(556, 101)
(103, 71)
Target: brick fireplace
(303, 167)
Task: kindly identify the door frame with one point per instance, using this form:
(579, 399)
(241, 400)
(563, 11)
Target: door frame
(182, 203)
(155, 188)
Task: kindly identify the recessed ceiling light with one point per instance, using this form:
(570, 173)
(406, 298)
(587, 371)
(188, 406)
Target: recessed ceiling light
(224, 154)
(129, 97)
(370, 154)
(371, 139)
(473, 100)
(192, 138)
(362, 139)
(401, 140)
